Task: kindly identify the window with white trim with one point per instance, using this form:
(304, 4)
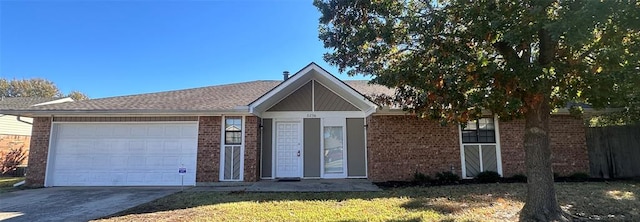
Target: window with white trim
(233, 131)
(232, 149)
(482, 130)
(479, 147)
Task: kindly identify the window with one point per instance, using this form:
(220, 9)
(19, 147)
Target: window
(232, 150)
(333, 150)
(482, 130)
(233, 131)
(480, 148)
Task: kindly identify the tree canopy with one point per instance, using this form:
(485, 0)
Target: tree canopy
(34, 88)
(452, 60)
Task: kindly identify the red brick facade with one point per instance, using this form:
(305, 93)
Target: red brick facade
(399, 146)
(208, 149)
(9, 142)
(568, 146)
(38, 152)
(252, 149)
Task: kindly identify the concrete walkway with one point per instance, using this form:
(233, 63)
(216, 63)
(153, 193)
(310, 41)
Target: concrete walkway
(308, 185)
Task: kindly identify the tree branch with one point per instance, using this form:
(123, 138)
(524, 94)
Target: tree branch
(509, 54)
(547, 48)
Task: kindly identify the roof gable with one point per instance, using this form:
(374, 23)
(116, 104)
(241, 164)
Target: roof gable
(325, 100)
(341, 92)
(299, 100)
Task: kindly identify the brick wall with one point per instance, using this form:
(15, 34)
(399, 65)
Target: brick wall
(38, 151)
(252, 149)
(568, 146)
(398, 146)
(208, 149)
(8, 142)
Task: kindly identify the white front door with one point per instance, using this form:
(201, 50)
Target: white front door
(288, 149)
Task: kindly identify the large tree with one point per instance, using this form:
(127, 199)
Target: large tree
(34, 88)
(452, 60)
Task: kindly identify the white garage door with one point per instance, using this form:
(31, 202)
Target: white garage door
(122, 154)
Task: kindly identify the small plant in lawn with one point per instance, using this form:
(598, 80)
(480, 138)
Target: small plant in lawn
(11, 160)
(447, 177)
(519, 178)
(421, 177)
(488, 177)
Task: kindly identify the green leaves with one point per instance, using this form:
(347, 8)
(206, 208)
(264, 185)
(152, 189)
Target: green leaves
(452, 59)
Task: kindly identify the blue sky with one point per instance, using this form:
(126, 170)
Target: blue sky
(111, 48)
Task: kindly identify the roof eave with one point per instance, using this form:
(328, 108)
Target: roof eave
(562, 111)
(46, 113)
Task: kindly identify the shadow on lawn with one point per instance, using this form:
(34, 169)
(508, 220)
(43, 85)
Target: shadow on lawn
(590, 200)
(602, 201)
(440, 199)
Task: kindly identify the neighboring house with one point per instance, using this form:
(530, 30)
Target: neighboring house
(15, 131)
(310, 126)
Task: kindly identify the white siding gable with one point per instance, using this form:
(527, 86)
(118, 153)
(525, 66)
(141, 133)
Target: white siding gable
(9, 125)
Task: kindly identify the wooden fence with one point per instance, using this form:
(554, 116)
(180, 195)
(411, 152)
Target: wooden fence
(614, 151)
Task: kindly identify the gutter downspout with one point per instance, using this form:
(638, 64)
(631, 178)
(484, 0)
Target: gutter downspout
(19, 120)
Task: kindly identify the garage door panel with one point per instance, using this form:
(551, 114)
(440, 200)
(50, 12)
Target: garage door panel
(105, 132)
(169, 132)
(139, 131)
(96, 162)
(102, 147)
(171, 146)
(154, 144)
(137, 147)
(118, 162)
(122, 154)
(189, 132)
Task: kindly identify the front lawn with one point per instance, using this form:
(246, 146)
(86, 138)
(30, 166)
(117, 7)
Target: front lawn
(475, 202)
(6, 183)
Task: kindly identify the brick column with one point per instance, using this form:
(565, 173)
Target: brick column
(252, 149)
(208, 149)
(40, 134)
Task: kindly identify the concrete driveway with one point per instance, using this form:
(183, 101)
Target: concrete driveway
(75, 203)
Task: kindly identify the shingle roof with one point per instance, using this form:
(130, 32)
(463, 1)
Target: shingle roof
(15, 103)
(211, 98)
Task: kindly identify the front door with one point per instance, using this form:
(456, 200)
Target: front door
(288, 149)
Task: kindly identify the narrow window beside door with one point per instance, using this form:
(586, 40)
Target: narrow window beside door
(333, 150)
(232, 152)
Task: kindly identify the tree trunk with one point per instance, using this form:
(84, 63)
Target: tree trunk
(541, 203)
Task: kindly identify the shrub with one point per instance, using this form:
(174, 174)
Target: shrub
(11, 160)
(447, 177)
(519, 178)
(488, 177)
(420, 177)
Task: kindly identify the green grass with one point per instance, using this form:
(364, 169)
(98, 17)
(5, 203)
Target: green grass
(478, 202)
(6, 183)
